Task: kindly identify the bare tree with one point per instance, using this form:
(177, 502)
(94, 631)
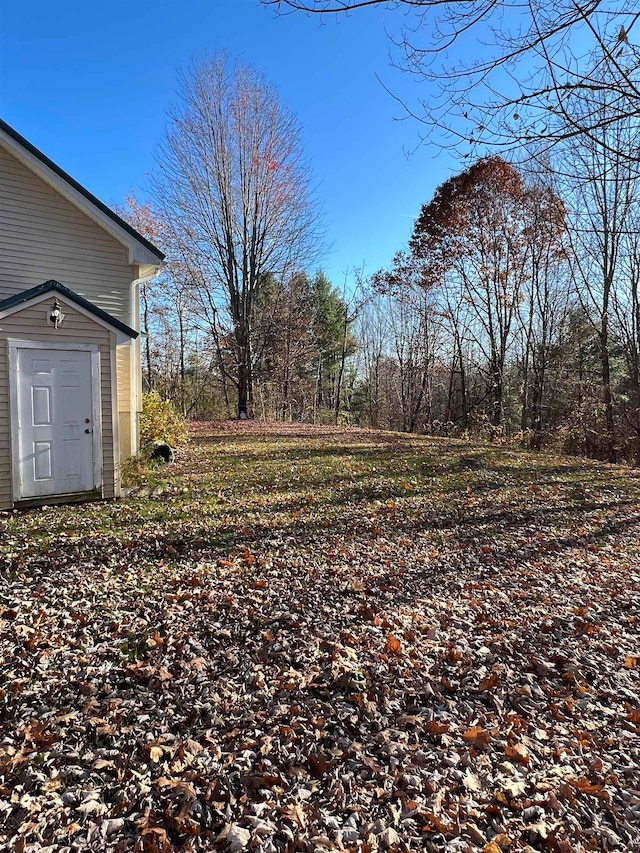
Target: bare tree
(626, 303)
(372, 331)
(527, 71)
(471, 235)
(350, 308)
(234, 189)
(603, 189)
(545, 300)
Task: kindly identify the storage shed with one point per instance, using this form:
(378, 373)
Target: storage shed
(70, 369)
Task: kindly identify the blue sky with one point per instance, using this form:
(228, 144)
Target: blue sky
(89, 85)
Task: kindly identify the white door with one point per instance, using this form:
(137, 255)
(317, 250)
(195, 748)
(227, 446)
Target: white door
(55, 422)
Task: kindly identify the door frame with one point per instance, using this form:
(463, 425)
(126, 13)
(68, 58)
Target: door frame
(14, 345)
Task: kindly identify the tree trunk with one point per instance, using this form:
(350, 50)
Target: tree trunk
(418, 403)
(463, 384)
(317, 398)
(449, 404)
(536, 405)
(183, 372)
(607, 397)
(343, 356)
(496, 395)
(374, 398)
(244, 370)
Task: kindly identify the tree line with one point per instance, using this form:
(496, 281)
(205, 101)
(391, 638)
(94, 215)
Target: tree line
(513, 312)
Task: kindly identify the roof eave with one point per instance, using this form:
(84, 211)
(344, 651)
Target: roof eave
(19, 300)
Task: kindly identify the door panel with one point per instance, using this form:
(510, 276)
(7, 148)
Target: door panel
(42, 462)
(41, 405)
(54, 422)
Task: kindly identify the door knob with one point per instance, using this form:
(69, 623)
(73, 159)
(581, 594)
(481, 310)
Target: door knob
(88, 431)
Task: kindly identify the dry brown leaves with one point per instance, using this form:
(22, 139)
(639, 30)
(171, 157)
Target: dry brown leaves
(386, 658)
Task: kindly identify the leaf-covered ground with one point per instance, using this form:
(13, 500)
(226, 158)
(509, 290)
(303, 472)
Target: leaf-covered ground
(324, 639)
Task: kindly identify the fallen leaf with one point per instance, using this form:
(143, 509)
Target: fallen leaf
(393, 645)
(517, 752)
(477, 736)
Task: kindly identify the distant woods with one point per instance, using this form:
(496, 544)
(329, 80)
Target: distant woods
(512, 314)
(515, 313)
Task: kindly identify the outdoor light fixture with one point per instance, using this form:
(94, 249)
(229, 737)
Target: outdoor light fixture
(55, 315)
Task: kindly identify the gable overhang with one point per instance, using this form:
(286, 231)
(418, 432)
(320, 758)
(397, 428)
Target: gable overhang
(140, 250)
(65, 296)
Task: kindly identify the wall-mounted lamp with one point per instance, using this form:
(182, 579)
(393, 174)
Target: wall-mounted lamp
(55, 315)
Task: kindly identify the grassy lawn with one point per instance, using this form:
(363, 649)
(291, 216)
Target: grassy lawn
(324, 639)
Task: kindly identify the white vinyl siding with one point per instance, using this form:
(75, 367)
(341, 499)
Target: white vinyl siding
(43, 236)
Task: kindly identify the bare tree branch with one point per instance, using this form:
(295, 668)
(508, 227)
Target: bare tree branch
(530, 73)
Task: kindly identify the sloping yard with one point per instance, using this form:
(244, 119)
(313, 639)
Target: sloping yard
(322, 639)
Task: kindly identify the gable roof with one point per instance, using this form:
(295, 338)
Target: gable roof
(78, 192)
(13, 303)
